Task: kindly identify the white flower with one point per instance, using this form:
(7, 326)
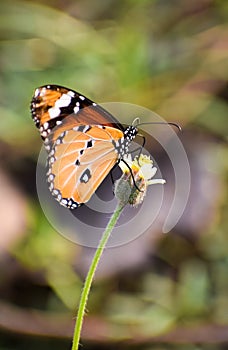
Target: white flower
(143, 167)
(143, 171)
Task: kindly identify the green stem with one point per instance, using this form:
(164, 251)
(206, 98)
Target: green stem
(90, 275)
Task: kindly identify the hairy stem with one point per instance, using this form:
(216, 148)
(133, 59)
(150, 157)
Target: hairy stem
(90, 276)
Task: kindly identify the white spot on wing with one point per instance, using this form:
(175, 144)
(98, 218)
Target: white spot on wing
(87, 127)
(63, 101)
(54, 112)
(36, 92)
(71, 93)
(76, 109)
(85, 178)
(81, 97)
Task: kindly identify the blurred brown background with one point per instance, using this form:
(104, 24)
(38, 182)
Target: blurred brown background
(168, 56)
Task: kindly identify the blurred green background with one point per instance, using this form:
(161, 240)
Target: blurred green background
(168, 56)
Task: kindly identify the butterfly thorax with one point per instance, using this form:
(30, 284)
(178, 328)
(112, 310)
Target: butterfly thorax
(122, 145)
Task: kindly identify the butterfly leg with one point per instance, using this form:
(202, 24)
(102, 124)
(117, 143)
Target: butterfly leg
(112, 178)
(140, 148)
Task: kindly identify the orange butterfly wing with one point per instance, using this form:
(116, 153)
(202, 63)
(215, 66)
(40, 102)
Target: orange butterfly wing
(83, 141)
(80, 162)
(55, 108)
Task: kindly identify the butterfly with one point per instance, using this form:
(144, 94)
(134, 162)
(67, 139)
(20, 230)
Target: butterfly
(83, 141)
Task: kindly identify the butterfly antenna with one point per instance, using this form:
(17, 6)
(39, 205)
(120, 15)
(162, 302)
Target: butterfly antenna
(162, 123)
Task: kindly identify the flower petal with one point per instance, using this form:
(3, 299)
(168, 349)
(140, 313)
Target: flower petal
(156, 181)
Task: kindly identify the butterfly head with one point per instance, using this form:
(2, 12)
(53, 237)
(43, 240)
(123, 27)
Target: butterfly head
(130, 133)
